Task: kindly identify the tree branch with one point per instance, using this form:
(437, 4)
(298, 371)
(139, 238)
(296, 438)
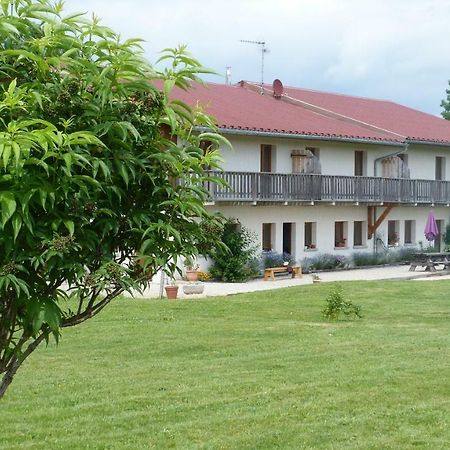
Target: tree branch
(91, 311)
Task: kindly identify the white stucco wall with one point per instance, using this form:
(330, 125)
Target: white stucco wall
(336, 158)
(325, 215)
(422, 161)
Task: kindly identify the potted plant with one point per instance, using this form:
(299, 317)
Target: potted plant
(191, 269)
(171, 290)
(340, 243)
(316, 278)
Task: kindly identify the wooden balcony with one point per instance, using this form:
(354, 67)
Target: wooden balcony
(277, 187)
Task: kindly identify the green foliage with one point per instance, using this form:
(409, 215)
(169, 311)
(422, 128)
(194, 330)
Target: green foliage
(235, 260)
(101, 173)
(324, 261)
(369, 259)
(446, 237)
(336, 305)
(275, 259)
(400, 255)
(445, 104)
(259, 370)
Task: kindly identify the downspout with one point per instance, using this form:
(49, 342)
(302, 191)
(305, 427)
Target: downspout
(405, 149)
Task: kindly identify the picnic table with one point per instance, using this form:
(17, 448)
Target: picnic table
(430, 261)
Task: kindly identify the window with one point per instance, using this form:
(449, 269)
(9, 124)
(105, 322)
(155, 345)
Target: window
(404, 158)
(359, 233)
(206, 146)
(310, 236)
(395, 167)
(340, 234)
(166, 133)
(360, 163)
(305, 161)
(393, 233)
(266, 158)
(288, 237)
(314, 150)
(410, 231)
(267, 236)
(438, 241)
(440, 168)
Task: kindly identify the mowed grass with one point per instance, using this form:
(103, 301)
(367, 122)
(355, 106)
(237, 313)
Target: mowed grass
(260, 371)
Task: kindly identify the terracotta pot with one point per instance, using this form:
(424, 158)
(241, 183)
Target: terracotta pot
(171, 292)
(191, 275)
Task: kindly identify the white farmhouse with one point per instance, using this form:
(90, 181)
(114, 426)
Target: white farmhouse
(319, 172)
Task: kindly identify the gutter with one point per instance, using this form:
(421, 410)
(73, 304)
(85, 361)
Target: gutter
(437, 143)
(317, 137)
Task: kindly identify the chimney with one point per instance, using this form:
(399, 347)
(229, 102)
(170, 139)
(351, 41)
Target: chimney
(278, 89)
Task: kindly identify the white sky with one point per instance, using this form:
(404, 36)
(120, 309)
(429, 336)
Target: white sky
(391, 49)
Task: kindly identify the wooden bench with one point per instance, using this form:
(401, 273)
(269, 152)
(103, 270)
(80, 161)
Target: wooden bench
(271, 271)
(430, 261)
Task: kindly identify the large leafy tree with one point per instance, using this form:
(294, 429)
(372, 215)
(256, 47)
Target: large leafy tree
(445, 104)
(101, 173)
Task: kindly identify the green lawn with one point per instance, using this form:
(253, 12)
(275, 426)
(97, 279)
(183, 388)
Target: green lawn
(260, 370)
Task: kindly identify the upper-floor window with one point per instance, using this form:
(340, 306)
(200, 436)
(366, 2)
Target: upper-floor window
(315, 151)
(395, 167)
(306, 161)
(267, 158)
(440, 168)
(360, 163)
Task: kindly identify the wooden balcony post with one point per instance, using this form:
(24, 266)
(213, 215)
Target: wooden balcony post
(373, 226)
(254, 186)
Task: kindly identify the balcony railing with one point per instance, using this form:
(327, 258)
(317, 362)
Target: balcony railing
(277, 187)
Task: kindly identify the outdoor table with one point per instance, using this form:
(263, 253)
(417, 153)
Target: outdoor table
(430, 261)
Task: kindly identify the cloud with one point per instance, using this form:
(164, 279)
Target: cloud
(386, 49)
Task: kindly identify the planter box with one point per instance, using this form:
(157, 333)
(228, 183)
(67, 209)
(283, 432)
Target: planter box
(193, 288)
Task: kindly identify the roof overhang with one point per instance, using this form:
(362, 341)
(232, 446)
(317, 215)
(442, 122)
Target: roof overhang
(315, 137)
(425, 142)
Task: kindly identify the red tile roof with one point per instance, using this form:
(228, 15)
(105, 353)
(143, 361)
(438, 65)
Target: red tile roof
(313, 113)
(412, 124)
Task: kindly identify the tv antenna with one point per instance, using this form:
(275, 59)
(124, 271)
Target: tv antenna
(262, 45)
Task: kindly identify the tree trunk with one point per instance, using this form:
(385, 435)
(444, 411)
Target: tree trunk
(15, 364)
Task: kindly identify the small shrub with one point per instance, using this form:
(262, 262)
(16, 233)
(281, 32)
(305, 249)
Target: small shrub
(369, 259)
(446, 237)
(337, 305)
(234, 256)
(324, 262)
(275, 259)
(375, 259)
(428, 248)
(203, 276)
(405, 254)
